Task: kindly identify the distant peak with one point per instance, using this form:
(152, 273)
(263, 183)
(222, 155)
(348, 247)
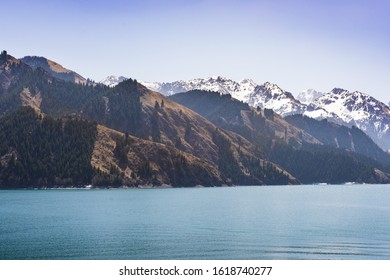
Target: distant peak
(309, 96)
(268, 84)
(247, 81)
(310, 90)
(218, 78)
(339, 90)
(116, 77)
(272, 86)
(113, 80)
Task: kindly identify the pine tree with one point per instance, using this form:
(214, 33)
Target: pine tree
(156, 106)
(3, 57)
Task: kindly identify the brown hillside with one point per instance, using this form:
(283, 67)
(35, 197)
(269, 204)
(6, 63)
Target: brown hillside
(167, 165)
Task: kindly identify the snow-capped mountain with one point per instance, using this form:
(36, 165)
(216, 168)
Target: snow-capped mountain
(112, 81)
(308, 96)
(361, 110)
(271, 96)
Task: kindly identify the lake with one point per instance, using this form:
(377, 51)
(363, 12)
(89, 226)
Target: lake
(259, 222)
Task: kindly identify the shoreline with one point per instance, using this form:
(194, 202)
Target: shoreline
(166, 186)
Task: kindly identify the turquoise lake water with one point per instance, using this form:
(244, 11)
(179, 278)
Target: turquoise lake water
(264, 222)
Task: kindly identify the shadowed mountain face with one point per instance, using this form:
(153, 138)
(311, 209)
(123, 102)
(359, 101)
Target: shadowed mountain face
(338, 136)
(293, 146)
(261, 127)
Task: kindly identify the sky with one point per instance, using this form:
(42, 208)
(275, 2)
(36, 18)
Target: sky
(297, 44)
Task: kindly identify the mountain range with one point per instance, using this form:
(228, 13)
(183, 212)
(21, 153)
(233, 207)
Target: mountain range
(339, 105)
(138, 137)
(56, 131)
(308, 148)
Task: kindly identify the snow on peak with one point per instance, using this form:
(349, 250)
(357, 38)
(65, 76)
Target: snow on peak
(351, 106)
(361, 110)
(218, 78)
(309, 96)
(267, 95)
(272, 88)
(247, 81)
(339, 91)
(112, 80)
(271, 96)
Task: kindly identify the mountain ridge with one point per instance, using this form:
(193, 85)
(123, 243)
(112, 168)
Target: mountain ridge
(376, 123)
(54, 68)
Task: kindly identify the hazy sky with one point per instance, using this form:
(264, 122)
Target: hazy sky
(296, 44)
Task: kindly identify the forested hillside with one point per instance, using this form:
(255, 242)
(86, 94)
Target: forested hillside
(36, 150)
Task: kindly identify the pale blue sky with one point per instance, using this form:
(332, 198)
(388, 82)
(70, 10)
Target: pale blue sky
(296, 44)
